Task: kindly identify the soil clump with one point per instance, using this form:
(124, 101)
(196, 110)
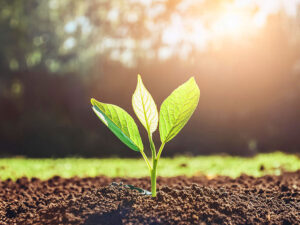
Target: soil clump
(180, 200)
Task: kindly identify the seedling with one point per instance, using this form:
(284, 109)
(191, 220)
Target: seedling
(174, 113)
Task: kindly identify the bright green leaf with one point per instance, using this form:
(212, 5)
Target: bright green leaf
(177, 109)
(120, 123)
(144, 107)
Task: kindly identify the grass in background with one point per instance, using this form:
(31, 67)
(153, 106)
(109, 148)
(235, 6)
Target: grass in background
(271, 163)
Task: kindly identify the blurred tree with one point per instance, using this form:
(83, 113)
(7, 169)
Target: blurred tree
(55, 54)
(66, 36)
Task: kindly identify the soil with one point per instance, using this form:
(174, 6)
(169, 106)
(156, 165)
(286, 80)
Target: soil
(180, 200)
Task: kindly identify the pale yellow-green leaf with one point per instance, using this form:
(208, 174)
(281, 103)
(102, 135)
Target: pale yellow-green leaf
(177, 109)
(145, 107)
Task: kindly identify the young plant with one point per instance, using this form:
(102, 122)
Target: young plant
(174, 113)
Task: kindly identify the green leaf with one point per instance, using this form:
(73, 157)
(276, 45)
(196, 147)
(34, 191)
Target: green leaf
(120, 123)
(177, 109)
(144, 107)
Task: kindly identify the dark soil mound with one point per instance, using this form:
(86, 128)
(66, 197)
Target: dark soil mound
(180, 200)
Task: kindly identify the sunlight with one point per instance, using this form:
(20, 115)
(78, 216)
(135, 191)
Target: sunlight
(175, 31)
(231, 24)
(236, 20)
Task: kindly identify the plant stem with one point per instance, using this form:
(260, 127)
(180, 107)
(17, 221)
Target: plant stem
(152, 147)
(153, 171)
(146, 159)
(160, 150)
(153, 178)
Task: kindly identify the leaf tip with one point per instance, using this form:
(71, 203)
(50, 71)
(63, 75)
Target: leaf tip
(93, 101)
(139, 77)
(192, 79)
(140, 81)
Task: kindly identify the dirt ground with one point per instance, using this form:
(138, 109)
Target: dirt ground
(180, 200)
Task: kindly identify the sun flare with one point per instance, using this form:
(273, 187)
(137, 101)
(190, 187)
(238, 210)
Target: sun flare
(233, 20)
(187, 30)
(231, 23)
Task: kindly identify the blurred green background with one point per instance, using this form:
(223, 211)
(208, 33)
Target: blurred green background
(209, 166)
(56, 55)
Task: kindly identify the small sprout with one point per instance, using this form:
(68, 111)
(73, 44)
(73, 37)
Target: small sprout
(174, 113)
